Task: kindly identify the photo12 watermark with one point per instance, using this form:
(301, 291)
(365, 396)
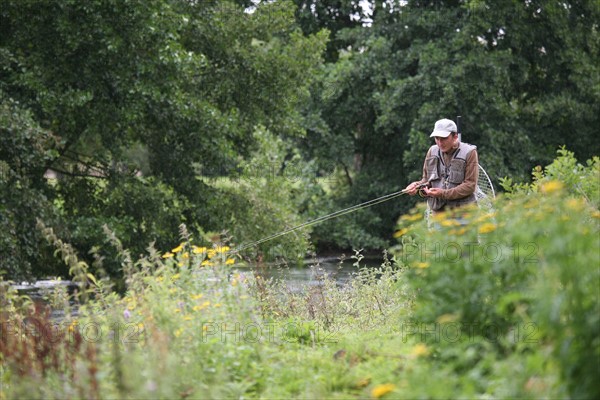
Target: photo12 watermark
(454, 252)
(266, 332)
(454, 332)
(89, 332)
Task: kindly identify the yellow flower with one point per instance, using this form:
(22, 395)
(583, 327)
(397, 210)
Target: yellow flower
(411, 217)
(201, 306)
(449, 222)
(210, 253)
(487, 228)
(167, 255)
(178, 332)
(575, 204)
(178, 248)
(229, 261)
(73, 325)
(551, 187)
(187, 317)
(186, 255)
(422, 265)
(381, 390)
(197, 296)
(198, 250)
(401, 232)
(160, 278)
(206, 263)
(420, 350)
(175, 277)
(596, 214)
(439, 217)
(223, 249)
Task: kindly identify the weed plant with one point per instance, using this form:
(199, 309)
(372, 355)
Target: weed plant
(482, 305)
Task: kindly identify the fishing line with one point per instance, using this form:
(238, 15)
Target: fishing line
(326, 217)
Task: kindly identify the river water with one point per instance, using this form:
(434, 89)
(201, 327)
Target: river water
(296, 277)
(311, 271)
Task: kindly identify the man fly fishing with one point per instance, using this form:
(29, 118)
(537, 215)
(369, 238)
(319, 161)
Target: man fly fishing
(450, 171)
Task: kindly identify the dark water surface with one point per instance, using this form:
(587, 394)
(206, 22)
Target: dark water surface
(311, 271)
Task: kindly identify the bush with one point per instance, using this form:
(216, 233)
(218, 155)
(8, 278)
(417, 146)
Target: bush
(522, 277)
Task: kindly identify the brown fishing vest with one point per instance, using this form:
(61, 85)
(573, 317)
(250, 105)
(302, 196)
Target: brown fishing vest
(445, 176)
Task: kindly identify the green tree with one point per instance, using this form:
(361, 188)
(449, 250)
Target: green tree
(25, 148)
(523, 75)
(168, 88)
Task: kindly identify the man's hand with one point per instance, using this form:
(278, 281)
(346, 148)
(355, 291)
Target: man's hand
(412, 188)
(434, 192)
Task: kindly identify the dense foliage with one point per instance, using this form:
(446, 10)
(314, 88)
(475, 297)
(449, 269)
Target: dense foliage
(243, 118)
(505, 306)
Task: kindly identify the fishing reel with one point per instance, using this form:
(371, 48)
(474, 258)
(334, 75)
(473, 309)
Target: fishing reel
(421, 190)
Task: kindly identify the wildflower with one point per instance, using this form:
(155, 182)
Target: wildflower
(126, 314)
(178, 332)
(596, 214)
(201, 306)
(206, 263)
(223, 249)
(211, 253)
(401, 232)
(551, 187)
(575, 204)
(381, 390)
(73, 325)
(420, 350)
(197, 296)
(167, 255)
(229, 261)
(187, 317)
(449, 222)
(198, 250)
(422, 265)
(411, 217)
(487, 228)
(186, 255)
(160, 278)
(178, 248)
(439, 217)
(175, 277)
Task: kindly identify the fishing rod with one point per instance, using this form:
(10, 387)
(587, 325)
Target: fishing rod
(326, 217)
(420, 191)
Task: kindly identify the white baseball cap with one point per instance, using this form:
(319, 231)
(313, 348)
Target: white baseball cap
(443, 128)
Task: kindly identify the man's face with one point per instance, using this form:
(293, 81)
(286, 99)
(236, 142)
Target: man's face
(446, 144)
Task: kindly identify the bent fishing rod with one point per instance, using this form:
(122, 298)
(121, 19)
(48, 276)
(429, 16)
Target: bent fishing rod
(335, 214)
